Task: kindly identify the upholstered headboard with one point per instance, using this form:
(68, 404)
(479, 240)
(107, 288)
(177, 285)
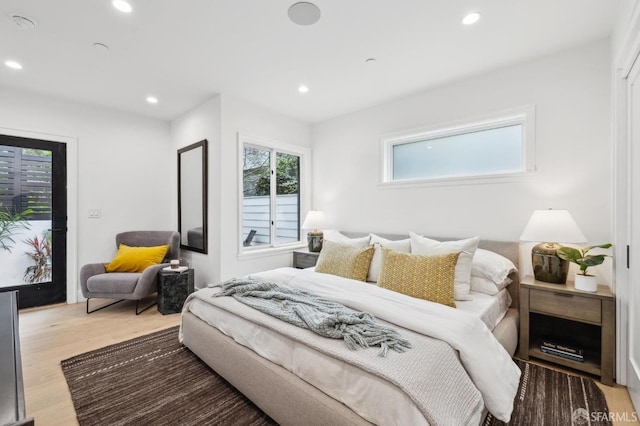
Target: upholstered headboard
(508, 249)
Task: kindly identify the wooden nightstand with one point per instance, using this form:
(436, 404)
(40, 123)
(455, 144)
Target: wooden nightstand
(559, 312)
(304, 258)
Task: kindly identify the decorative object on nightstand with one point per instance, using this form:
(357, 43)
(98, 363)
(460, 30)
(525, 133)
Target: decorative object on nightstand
(304, 259)
(551, 226)
(562, 325)
(174, 285)
(584, 281)
(315, 221)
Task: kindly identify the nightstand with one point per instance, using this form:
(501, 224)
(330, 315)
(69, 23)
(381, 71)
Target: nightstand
(173, 289)
(304, 258)
(560, 313)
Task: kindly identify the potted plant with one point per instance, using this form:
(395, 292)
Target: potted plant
(584, 281)
(9, 223)
(41, 255)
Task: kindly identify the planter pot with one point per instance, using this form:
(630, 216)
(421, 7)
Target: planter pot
(586, 282)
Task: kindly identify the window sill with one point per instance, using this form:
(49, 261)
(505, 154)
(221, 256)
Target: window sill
(476, 180)
(269, 251)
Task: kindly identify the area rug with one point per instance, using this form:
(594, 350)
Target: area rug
(154, 379)
(549, 397)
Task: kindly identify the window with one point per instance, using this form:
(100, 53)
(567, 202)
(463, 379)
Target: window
(271, 194)
(496, 147)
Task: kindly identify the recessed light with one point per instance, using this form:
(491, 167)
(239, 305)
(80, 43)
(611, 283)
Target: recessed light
(304, 13)
(303, 89)
(152, 99)
(122, 6)
(13, 64)
(370, 61)
(471, 18)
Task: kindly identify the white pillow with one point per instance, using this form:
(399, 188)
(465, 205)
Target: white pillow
(466, 248)
(487, 286)
(375, 266)
(493, 266)
(337, 237)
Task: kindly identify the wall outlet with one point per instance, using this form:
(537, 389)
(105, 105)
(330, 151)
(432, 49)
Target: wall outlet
(94, 213)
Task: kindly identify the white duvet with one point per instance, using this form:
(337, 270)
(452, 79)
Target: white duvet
(489, 365)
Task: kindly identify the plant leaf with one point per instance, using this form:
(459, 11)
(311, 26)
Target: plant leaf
(569, 253)
(603, 246)
(592, 260)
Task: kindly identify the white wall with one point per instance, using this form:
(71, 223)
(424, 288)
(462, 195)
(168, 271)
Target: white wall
(572, 95)
(118, 169)
(219, 120)
(202, 122)
(239, 116)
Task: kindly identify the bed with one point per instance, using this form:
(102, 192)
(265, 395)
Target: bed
(281, 387)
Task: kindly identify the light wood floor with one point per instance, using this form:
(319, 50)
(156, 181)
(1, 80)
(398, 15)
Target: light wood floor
(50, 335)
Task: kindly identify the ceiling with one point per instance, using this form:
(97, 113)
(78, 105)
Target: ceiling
(185, 51)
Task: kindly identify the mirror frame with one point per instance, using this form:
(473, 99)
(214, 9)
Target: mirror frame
(202, 144)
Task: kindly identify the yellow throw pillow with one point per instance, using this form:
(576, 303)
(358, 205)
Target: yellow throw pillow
(344, 260)
(136, 259)
(425, 277)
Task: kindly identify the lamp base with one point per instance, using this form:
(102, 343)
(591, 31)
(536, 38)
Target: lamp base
(547, 266)
(315, 239)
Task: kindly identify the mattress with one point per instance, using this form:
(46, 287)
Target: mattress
(490, 309)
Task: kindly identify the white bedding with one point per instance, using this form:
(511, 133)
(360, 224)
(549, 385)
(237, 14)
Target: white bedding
(371, 397)
(490, 309)
(488, 364)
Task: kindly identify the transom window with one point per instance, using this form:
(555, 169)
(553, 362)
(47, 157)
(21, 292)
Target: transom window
(491, 148)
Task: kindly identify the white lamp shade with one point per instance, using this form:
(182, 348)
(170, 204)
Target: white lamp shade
(315, 220)
(555, 226)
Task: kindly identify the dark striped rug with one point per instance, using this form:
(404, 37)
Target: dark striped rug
(549, 397)
(154, 380)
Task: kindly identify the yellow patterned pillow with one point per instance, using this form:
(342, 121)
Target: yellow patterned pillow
(425, 277)
(344, 260)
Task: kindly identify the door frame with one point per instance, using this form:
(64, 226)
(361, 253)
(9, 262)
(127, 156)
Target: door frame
(622, 65)
(72, 201)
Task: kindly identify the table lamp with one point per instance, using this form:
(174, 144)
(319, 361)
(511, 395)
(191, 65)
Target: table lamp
(551, 226)
(315, 221)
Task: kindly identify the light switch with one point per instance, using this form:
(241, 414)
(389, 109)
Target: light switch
(94, 213)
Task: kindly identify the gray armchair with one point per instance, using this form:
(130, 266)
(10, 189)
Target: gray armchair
(97, 283)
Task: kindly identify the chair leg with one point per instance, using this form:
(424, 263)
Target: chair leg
(101, 307)
(139, 312)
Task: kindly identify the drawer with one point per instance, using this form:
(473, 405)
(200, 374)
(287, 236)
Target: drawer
(304, 260)
(569, 306)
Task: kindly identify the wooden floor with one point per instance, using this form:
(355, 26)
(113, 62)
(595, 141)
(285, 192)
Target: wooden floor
(49, 335)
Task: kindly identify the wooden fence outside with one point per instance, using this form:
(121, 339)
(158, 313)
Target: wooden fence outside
(25, 182)
(256, 215)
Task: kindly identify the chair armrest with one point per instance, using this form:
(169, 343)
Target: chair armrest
(87, 271)
(148, 282)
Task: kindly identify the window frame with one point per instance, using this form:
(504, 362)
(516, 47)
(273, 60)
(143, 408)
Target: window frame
(274, 147)
(524, 116)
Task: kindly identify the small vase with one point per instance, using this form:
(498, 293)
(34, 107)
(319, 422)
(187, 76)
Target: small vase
(586, 283)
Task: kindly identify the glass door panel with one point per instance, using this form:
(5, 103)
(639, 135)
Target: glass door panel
(33, 220)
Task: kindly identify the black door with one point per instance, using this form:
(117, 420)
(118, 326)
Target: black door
(33, 220)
